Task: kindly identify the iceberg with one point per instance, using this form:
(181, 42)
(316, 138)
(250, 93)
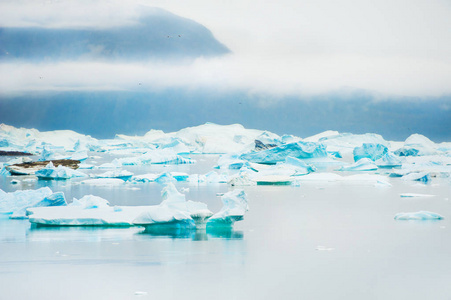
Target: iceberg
(150, 177)
(300, 150)
(17, 202)
(173, 212)
(235, 205)
(300, 166)
(80, 216)
(417, 145)
(243, 178)
(417, 176)
(420, 215)
(90, 201)
(371, 151)
(120, 174)
(60, 172)
(163, 156)
(165, 178)
(211, 138)
(389, 160)
(363, 164)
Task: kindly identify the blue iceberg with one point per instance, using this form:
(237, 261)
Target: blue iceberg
(16, 203)
(363, 164)
(235, 206)
(371, 151)
(60, 172)
(300, 150)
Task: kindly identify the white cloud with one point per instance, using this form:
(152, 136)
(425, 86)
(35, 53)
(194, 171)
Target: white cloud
(281, 47)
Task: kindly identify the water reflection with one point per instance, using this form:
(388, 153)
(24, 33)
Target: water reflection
(39, 233)
(193, 234)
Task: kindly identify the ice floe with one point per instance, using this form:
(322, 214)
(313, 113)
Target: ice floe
(300, 150)
(408, 195)
(17, 202)
(363, 164)
(420, 215)
(235, 205)
(60, 172)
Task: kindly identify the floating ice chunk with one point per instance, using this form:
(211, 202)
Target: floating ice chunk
(301, 150)
(417, 144)
(388, 160)
(213, 138)
(232, 162)
(90, 201)
(346, 142)
(180, 176)
(415, 195)
(85, 166)
(323, 248)
(213, 177)
(18, 160)
(48, 154)
(382, 183)
(244, 178)
(104, 181)
(235, 205)
(174, 211)
(165, 178)
(163, 156)
(144, 178)
(79, 216)
(109, 166)
(420, 176)
(60, 172)
(18, 201)
(300, 166)
(80, 155)
(175, 144)
(55, 199)
(120, 174)
(274, 180)
(370, 151)
(363, 164)
(421, 215)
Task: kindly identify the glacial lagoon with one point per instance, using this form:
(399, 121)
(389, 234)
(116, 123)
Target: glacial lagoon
(315, 241)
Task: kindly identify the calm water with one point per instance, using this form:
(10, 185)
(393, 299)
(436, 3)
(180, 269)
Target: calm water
(316, 241)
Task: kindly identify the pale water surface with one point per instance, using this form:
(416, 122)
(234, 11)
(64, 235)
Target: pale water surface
(316, 241)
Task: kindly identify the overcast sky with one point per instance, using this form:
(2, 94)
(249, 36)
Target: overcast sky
(282, 47)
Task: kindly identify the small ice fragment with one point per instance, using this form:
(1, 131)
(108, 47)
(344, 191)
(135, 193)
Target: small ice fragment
(139, 293)
(405, 195)
(219, 194)
(14, 181)
(184, 190)
(421, 215)
(323, 248)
